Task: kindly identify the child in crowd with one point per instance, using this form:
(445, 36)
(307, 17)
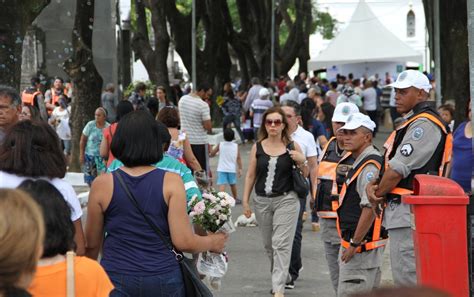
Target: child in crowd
(446, 111)
(229, 166)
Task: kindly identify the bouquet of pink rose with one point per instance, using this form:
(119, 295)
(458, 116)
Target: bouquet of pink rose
(213, 213)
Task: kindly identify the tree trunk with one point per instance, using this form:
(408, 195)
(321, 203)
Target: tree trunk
(154, 60)
(15, 17)
(455, 55)
(84, 75)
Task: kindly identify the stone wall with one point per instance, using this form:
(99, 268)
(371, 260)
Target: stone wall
(57, 21)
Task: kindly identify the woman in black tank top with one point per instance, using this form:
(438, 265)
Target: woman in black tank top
(276, 204)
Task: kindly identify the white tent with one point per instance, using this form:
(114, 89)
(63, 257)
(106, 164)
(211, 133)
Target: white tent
(364, 40)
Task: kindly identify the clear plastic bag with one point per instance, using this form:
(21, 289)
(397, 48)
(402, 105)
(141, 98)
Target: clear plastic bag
(212, 264)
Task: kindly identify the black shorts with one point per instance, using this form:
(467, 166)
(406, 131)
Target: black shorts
(201, 153)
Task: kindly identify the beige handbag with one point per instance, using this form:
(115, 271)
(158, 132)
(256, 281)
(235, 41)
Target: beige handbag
(70, 281)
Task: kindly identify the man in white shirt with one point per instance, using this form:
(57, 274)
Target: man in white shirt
(306, 141)
(253, 93)
(195, 120)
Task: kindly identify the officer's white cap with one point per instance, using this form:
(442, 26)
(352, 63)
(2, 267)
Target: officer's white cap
(358, 120)
(263, 92)
(343, 110)
(412, 78)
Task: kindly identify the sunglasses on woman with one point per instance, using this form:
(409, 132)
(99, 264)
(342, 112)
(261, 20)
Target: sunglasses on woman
(269, 122)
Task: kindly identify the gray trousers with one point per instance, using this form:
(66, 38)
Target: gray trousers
(362, 274)
(277, 217)
(402, 256)
(332, 244)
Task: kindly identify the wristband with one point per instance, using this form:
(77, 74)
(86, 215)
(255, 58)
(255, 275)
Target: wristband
(354, 244)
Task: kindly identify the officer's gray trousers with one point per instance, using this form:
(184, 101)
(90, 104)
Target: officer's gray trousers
(332, 253)
(277, 217)
(402, 256)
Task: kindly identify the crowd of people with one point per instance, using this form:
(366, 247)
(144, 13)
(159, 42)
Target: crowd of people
(154, 150)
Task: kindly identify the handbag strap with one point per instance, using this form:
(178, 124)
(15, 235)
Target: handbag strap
(70, 278)
(291, 146)
(178, 255)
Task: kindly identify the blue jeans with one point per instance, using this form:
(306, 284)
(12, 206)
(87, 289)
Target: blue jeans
(295, 263)
(161, 285)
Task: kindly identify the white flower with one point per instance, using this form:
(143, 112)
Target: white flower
(218, 207)
(218, 222)
(223, 217)
(224, 202)
(222, 194)
(230, 200)
(211, 211)
(192, 214)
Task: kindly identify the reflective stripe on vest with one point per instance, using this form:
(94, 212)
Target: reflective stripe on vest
(376, 241)
(448, 147)
(29, 99)
(327, 214)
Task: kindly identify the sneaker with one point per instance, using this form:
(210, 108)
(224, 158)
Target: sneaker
(315, 227)
(290, 285)
(238, 201)
(305, 216)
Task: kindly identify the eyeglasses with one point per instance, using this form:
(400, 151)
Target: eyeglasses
(269, 122)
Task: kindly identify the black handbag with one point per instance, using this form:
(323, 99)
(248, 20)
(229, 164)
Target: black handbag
(300, 183)
(193, 284)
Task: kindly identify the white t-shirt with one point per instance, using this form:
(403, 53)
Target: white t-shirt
(12, 181)
(227, 157)
(192, 112)
(370, 99)
(306, 142)
(62, 128)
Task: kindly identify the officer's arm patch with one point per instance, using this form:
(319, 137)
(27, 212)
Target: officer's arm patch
(406, 149)
(417, 133)
(369, 176)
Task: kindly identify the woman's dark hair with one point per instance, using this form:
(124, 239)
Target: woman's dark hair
(328, 110)
(169, 117)
(262, 132)
(137, 140)
(57, 217)
(123, 107)
(449, 108)
(228, 91)
(35, 115)
(307, 112)
(32, 149)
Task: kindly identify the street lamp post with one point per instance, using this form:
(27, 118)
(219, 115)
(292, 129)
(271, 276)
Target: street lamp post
(193, 46)
(272, 55)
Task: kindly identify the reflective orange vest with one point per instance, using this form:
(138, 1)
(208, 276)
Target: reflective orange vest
(327, 173)
(29, 98)
(447, 151)
(379, 237)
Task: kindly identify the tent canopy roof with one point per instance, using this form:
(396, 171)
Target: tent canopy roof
(364, 39)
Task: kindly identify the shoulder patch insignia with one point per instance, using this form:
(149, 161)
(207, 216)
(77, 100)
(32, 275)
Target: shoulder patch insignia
(369, 176)
(417, 133)
(406, 149)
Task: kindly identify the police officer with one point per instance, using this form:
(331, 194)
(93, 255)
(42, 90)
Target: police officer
(32, 96)
(419, 146)
(362, 235)
(333, 167)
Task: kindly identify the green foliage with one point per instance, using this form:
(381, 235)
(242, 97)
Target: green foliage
(133, 17)
(325, 24)
(184, 6)
(150, 87)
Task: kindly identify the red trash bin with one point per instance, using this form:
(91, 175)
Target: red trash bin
(438, 209)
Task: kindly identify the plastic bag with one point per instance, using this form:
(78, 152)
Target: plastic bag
(212, 264)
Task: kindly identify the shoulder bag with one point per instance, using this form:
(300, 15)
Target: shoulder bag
(193, 285)
(300, 183)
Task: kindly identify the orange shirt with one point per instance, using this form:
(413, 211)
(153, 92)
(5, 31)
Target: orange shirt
(108, 134)
(90, 280)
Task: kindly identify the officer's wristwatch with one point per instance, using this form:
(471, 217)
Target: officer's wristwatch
(355, 244)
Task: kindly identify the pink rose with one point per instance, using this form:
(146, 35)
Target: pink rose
(199, 207)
